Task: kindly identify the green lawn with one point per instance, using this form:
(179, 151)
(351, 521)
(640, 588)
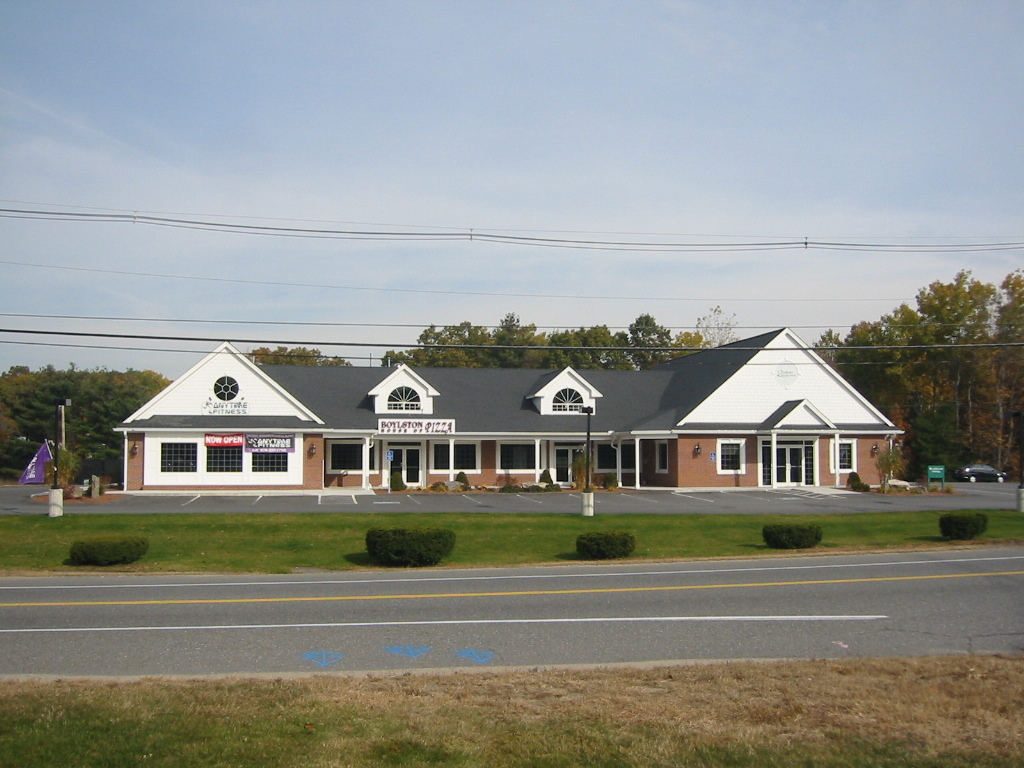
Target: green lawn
(281, 543)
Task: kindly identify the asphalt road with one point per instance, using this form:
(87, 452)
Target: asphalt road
(17, 500)
(969, 600)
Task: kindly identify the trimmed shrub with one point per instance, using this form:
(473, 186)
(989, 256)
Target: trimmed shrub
(409, 547)
(397, 483)
(791, 536)
(545, 477)
(610, 481)
(960, 526)
(854, 483)
(605, 545)
(551, 487)
(462, 479)
(114, 550)
(511, 489)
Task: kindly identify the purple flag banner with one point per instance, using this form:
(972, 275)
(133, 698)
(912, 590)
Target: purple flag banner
(35, 472)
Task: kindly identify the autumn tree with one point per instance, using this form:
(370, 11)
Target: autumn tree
(294, 356)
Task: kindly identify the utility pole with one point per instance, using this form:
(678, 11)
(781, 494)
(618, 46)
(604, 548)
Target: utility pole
(1020, 445)
(56, 492)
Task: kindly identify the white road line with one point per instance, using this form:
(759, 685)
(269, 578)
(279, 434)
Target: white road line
(639, 498)
(516, 577)
(257, 501)
(695, 498)
(194, 498)
(478, 503)
(441, 623)
(526, 498)
(413, 498)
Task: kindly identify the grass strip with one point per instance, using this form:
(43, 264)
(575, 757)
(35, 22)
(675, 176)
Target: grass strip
(939, 712)
(281, 543)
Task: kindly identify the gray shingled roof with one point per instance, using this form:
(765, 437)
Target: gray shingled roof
(496, 400)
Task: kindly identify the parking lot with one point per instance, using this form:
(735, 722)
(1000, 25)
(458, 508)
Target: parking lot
(17, 500)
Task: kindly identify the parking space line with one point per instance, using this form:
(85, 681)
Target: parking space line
(478, 503)
(257, 500)
(695, 498)
(413, 498)
(194, 498)
(527, 498)
(639, 498)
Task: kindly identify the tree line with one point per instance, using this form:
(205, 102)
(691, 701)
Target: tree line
(100, 400)
(946, 370)
(645, 344)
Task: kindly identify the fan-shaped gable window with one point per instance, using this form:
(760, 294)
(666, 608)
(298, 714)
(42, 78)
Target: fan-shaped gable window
(567, 400)
(404, 399)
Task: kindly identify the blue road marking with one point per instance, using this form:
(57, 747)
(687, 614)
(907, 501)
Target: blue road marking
(474, 654)
(410, 651)
(323, 658)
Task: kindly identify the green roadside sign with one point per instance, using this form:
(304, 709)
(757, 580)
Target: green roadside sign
(937, 472)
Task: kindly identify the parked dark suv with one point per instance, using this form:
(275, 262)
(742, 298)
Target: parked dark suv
(975, 473)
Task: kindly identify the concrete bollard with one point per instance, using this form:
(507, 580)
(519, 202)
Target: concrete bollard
(56, 502)
(588, 504)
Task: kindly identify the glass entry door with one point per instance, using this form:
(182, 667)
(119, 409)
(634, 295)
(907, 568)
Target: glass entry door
(564, 457)
(407, 462)
(793, 463)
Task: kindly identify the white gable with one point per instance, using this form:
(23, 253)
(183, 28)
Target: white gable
(404, 376)
(798, 414)
(570, 379)
(207, 390)
(786, 371)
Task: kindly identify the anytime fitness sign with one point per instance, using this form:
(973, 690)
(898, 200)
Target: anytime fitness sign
(415, 426)
(253, 443)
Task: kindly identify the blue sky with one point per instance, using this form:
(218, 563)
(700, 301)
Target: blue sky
(700, 121)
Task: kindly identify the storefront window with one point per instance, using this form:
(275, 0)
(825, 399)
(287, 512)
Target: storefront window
(224, 459)
(270, 462)
(517, 456)
(179, 457)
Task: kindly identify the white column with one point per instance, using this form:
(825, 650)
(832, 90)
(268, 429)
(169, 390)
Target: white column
(636, 463)
(775, 459)
(835, 457)
(618, 461)
(451, 459)
(536, 460)
(366, 463)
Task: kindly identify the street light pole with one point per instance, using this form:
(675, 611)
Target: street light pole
(588, 492)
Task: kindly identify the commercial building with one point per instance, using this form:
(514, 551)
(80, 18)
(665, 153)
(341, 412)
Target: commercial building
(762, 412)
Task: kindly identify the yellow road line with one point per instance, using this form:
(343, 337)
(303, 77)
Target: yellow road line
(517, 593)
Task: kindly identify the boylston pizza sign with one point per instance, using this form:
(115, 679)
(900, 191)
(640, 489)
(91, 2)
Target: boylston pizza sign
(415, 426)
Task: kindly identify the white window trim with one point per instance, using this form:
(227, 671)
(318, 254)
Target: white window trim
(373, 458)
(475, 471)
(743, 458)
(833, 455)
(502, 468)
(658, 467)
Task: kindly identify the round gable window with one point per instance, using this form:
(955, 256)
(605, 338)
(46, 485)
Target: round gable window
(225, 388)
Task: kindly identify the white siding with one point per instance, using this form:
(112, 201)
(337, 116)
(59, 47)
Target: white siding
(777, 376)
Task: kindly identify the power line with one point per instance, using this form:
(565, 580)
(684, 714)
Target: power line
(424, 326)
(499, 347)
(496, 236)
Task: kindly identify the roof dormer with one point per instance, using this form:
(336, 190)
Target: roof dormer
(403, 391)
(566, 392)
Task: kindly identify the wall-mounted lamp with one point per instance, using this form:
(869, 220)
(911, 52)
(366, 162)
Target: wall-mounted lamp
(874, 449)
(696, 450)
(312, 450)
(134, 450)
